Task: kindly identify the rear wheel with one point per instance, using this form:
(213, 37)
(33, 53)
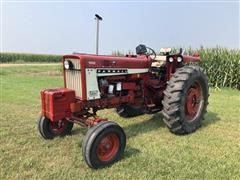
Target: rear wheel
(126, 111)
(50, 129)
(185, 100)
(103, 144)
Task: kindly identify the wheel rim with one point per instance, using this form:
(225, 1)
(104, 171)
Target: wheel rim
(108, 147)
(57, 127)
(193, 102)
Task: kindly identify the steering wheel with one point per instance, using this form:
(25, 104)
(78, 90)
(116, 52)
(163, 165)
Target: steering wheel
(151, 53)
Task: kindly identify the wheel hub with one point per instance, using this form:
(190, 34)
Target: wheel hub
(193, 100)
(108, 147)
(57, 127)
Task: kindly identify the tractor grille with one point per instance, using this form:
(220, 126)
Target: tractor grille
(73, 78)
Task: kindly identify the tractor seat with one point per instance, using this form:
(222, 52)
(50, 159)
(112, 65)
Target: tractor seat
(159, 61)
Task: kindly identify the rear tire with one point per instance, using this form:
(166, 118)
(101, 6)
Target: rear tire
(126, 111)
(103, 144)
(50, 129)
(185, 100)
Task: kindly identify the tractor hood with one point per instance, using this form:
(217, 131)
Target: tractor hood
(103, 61)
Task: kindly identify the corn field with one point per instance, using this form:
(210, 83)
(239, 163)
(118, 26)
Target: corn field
(222, 65)
(24, 57)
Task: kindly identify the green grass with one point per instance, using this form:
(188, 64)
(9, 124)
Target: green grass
(152, 152)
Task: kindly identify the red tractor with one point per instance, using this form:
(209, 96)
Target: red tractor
(134, 84)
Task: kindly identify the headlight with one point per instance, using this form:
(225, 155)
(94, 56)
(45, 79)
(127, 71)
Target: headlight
(170, 59)
(179, 59)
(68, 64)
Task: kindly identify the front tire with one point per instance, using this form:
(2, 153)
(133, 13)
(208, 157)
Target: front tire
(50, 129)
(185, 100)
(103, 144)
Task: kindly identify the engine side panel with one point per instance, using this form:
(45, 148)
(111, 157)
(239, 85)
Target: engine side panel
(83, 78)
(92, 75)
(92, 84)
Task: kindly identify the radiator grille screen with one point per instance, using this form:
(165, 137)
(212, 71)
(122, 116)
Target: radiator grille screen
(73, 77)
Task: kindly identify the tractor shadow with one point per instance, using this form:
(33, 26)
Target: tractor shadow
(132, 130)
(130, 152)
(210, 118)
(154, 123)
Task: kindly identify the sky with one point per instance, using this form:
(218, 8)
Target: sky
(63, 27)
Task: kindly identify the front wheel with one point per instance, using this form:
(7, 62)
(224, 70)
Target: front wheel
(50, 129)
(185, 100)
(103, 144)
